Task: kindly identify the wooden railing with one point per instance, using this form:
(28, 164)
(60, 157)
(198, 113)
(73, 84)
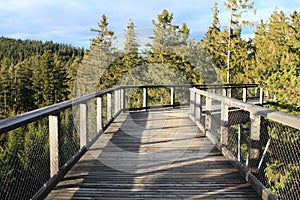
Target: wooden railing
(116, 102)
(269, 136)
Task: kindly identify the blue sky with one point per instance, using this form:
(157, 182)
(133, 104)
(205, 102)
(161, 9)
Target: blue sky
(69, 21)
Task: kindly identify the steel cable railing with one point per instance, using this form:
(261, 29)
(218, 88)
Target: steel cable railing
(263, 143)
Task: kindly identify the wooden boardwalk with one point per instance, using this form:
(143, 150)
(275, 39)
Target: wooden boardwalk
(158, 154)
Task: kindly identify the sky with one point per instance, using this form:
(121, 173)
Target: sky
(69, 21)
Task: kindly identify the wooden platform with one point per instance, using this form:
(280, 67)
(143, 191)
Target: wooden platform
(157, 154)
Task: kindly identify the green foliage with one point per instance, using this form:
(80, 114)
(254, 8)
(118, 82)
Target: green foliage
(170, 48)
(120, 69)
(283, 166)
(103, 32)
(43, 75)
(277, 57)
(33, 74)
(226, 47)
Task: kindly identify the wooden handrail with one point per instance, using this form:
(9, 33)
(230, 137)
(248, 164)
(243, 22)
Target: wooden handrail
(26, 118)
(277, 116)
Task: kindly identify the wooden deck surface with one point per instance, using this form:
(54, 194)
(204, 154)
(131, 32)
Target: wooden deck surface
(158, 154)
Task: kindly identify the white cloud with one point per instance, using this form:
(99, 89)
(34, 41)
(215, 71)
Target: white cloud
(71, 20)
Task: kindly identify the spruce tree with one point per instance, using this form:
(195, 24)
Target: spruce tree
(214, 43)
(168, 42)
(101, 54)
(277, 57)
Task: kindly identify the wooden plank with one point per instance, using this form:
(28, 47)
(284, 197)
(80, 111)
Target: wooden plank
(199, 170)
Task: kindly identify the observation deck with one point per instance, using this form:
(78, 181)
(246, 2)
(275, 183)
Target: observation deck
(206, 142)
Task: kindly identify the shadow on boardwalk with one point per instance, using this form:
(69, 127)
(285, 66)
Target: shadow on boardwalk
(148, 155)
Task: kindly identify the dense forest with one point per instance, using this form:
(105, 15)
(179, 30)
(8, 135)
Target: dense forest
(34, 74)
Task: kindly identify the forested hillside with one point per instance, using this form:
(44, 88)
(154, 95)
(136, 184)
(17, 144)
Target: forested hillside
(34, 74)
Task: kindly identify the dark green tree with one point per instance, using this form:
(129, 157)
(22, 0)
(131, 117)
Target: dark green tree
(277, 58)
(168, 43)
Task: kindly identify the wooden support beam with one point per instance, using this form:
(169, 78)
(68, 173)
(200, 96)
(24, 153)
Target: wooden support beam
(200, 107)
(224, 123)
(117, 101)
(109, 106)
(145, 97)
(229, 91)
(172, 96)
(192, 102)
(261, 96)
(197, 105)
(224, 92)
(208, 117)
(244, 94)
(83, 124)
(54, 144)
(99, 114)
(123, 99)
(254, 143)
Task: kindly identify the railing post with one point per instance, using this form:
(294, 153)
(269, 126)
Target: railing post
(109, 106)
(172, 96)
(145, 97)
(83, 124)
(99, 114)
(224, 92)
(119, 100)
(208, 117)
(116, 101)
(197, 110)
(255, 92)
(239, 143)
(200, 107)
(192, 102)
(123, 99)
(254, 143)
(224, 123)
(244, 94)
(54, 144)
(261, 96)
(227, 92)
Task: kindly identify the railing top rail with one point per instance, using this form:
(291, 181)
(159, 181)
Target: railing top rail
(281, 117)
(204, 86)
(23, 119)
